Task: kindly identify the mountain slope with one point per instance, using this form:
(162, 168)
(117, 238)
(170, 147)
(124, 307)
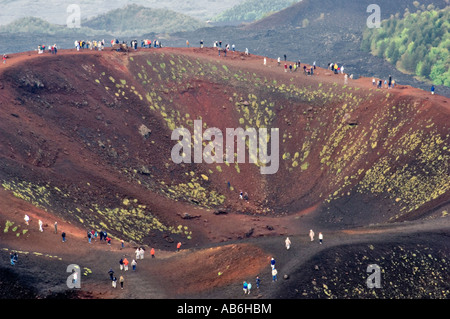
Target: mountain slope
(418, 44)
(138, 20)
(252, 10)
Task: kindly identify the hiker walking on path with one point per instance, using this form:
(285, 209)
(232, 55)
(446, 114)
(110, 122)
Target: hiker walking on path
(114, 281)
(56, 227)
(279, 61)
(134, 264)
(320, 238)
(40, 226)
(27, 219)
(249, 287)
(137, 252)
(121, 264)
(311, 234)
(125, 264)
(152, 252)
(63, 235)
(245, 287)
(121, 282)
(432, 89)
(272, 263)
(274, 274)
(288, 243)
(141, 253)
(4, 58)
(111, 273)
(178, 246)
(258, 282)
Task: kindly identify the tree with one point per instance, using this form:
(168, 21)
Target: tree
(425, 68)
(381, 49)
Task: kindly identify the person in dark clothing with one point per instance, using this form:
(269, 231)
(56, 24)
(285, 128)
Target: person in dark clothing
(285, 57)
(258, 282)
(121, 263)
(111, 273)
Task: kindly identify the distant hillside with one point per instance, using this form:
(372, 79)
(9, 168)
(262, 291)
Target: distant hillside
(329, 14)
(130, 20)
(418, 44)
(14, 9)
(33, 25)
(134, 19)
(252, 10)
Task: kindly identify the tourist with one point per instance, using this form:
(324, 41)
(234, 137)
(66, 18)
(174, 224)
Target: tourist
(121, 264)
(274, 274)
(288, 243)
(121, 282)
(137, 252)
(311, 234)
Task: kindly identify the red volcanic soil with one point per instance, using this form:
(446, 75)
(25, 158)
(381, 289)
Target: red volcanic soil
(225, 250)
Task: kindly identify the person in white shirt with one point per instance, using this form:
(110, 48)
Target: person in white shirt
(288, 243)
